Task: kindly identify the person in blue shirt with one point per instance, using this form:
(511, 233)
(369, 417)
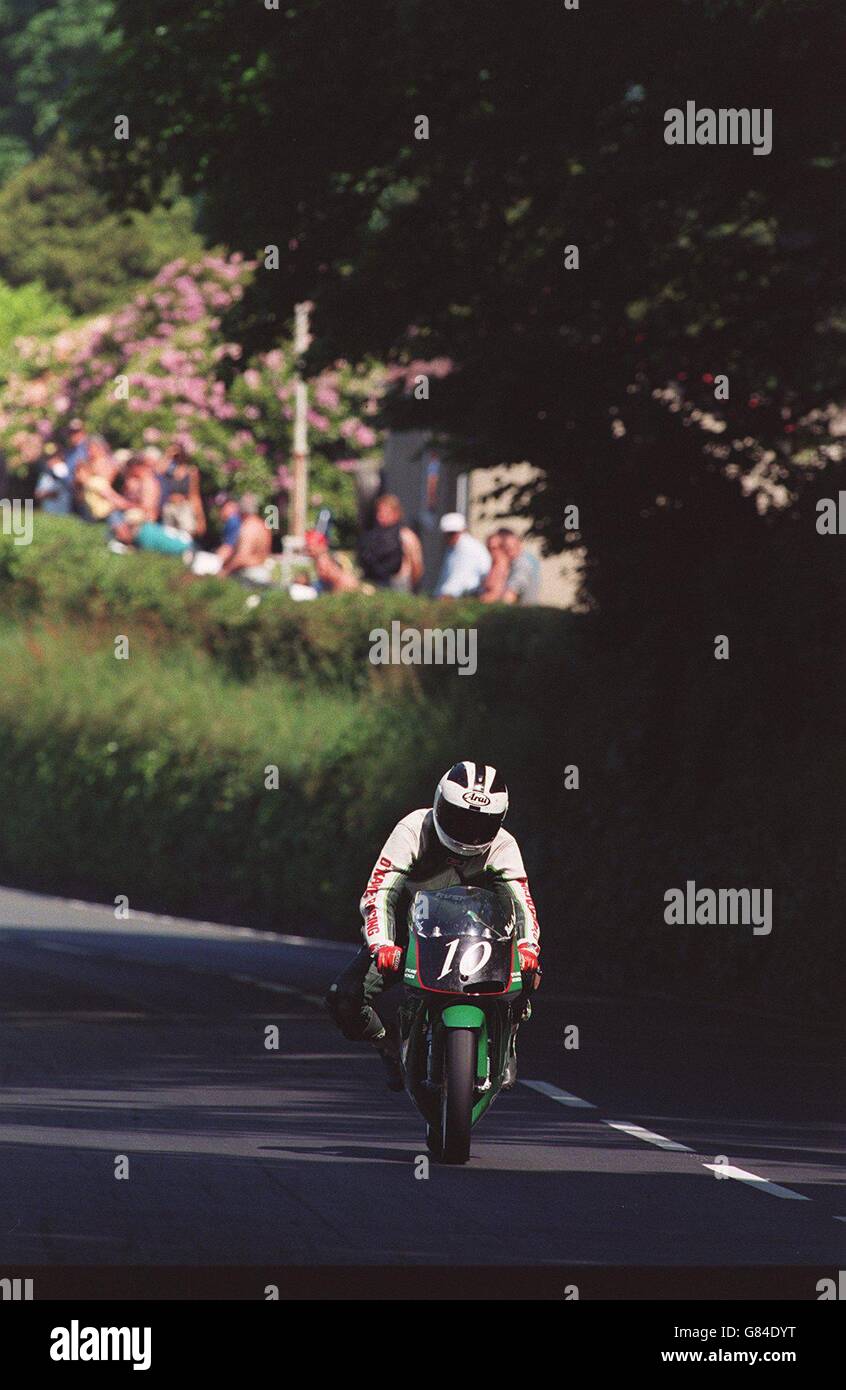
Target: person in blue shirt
(466, 561)
(54, 488)
(230, 516)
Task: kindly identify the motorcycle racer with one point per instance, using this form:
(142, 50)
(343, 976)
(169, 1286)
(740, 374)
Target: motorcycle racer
(460, 840)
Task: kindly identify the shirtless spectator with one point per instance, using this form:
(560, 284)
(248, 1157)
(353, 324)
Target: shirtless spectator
(332, 578)
(493, 588)
(248, 561)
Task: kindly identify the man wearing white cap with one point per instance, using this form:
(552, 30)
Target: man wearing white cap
(466, 561)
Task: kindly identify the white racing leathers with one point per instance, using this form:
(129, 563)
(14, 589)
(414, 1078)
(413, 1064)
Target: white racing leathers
(414, 858)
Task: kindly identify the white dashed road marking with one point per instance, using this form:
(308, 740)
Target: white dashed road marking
(554, 1093)
(638, 1132)
(727, 1170)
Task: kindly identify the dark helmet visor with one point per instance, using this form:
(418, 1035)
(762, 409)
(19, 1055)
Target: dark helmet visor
(465, 825)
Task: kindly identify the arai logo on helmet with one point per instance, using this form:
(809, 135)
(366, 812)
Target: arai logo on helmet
(476, 799)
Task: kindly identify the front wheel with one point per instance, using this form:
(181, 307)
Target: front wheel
(457, 1094)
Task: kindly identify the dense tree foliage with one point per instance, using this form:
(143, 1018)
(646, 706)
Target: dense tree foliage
(25, 309)
(57, 229)
(44, 49)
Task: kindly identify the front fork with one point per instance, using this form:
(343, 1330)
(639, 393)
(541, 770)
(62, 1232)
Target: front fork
(422, 1046)
(434, 1042)
(422, 1050)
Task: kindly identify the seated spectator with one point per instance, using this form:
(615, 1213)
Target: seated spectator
(208, 562)
(134, 529)
(523, 583)
(54, 488)
(77, 450)
(466, 563)
(390, 553)
(181, 502)
(332, 578)
(94, 479)
(494, 585)
(230, 516)
(248, 562)
(166, 540)
(141, 486)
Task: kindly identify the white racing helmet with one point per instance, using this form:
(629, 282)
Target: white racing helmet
(470, 805)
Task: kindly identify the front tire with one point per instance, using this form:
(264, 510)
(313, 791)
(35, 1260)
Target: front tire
(457, 1094)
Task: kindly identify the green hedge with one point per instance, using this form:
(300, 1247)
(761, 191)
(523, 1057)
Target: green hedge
(68, 573)
(147, 777)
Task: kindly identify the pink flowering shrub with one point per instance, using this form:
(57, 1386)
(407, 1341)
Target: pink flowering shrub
(160, 370)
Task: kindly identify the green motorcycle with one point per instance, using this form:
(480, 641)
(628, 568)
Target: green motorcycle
(463, 1002)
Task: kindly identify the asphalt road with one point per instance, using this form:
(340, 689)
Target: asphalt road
(146, 1038)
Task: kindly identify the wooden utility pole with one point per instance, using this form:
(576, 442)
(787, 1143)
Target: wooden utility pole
(299, 492)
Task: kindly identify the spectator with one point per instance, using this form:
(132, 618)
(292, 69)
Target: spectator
(141, 486)
(94, 477)
(54, 488)
(133, 529)
(181, 502)
(466, 562)
(494, 585)
(249, 560)
(332, 578)
(206, 562)
(523, 583)
(77, 450)
(230, 516)
(390, 554)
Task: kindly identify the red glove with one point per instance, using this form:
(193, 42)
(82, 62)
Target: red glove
(529, 956)
(387, 958)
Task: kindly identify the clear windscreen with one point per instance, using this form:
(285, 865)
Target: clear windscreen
(462, 911)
